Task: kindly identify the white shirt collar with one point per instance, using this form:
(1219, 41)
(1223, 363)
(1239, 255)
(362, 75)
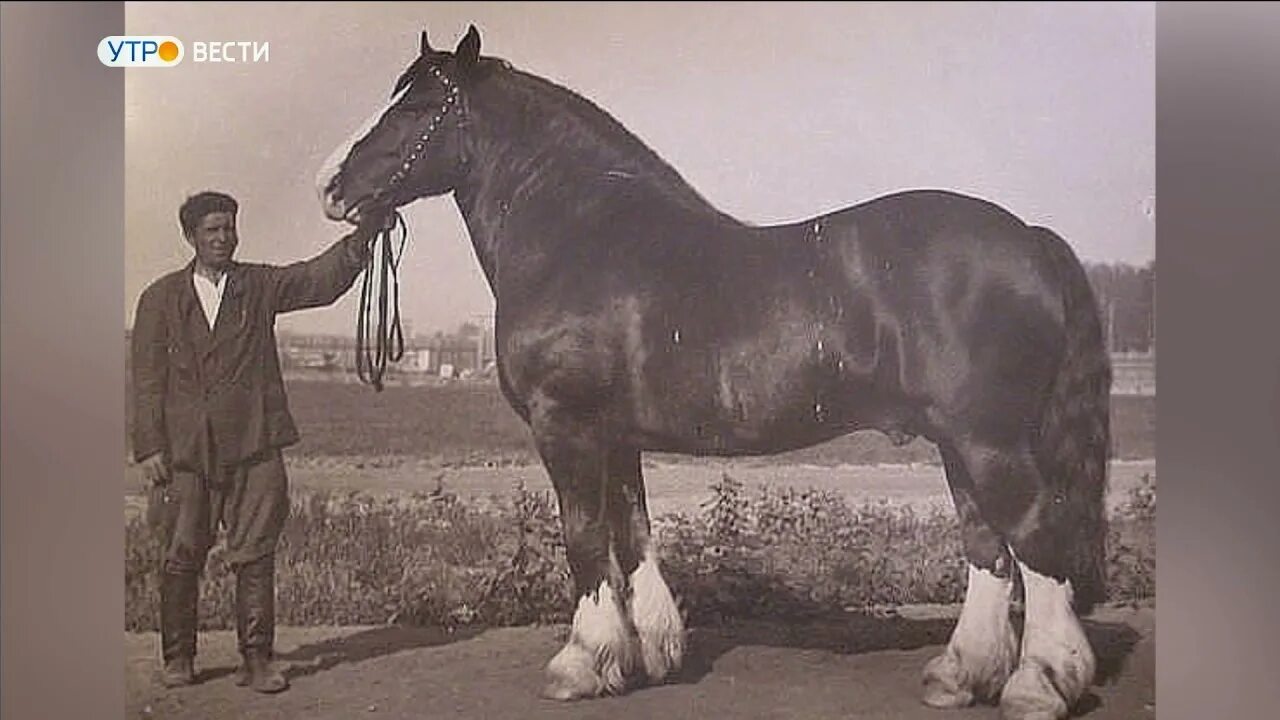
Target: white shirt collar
(210, 295)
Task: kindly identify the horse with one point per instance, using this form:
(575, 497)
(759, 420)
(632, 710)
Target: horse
(632, 316)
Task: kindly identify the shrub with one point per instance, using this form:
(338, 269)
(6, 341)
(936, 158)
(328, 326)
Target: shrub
(1131, 545)
(433, 559)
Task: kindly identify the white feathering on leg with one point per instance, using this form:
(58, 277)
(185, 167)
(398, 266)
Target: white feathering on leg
(600, 654)
(657, 620)
(1057, 663)
(983, 649)
(599, 628)
(572, 674)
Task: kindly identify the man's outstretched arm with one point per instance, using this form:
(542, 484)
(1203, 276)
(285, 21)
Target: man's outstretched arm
(321, 280)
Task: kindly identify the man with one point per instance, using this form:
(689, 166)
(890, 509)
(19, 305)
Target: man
(211, 418)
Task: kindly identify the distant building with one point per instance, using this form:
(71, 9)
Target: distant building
(455, 355)
(316, 352)
(439, 355)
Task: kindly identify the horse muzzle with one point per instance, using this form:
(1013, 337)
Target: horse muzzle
(335, 208)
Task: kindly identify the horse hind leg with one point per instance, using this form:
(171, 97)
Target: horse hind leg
(983, 649)
(653, 610)
(602, 654)
(1056, 663)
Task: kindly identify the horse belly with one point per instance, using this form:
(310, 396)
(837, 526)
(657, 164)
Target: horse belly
(740, 401)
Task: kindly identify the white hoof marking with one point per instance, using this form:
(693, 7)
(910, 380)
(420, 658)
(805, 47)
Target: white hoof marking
(1056, 656)
(983, 650)
(657, 620)
(600, 654)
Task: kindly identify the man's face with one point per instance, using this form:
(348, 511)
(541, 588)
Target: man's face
(215, 240)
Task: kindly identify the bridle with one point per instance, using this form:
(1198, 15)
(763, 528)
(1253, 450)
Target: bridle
(387, 344)
(418, 149)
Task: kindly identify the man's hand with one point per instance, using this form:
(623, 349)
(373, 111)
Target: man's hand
(155, 469)
(360, 239)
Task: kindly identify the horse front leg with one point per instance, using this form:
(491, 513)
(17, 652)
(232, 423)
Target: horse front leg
(654, 614)
(602, 655)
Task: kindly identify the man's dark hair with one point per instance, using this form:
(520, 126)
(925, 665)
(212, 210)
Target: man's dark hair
(197, 206)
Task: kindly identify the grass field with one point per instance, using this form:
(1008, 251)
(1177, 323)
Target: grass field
(465, 424)
(471, 424)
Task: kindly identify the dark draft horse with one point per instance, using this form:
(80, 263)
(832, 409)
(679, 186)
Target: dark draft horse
(632, 316)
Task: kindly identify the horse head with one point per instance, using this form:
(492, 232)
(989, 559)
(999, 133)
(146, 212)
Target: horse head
(412, 147)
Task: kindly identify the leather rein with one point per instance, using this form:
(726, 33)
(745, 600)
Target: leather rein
(380, 315)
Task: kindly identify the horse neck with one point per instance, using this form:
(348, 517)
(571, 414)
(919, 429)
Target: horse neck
(534, 171)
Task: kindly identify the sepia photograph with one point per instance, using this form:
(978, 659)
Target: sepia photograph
(628, 360)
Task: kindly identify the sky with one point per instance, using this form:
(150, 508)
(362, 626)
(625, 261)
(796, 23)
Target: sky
(773, 112)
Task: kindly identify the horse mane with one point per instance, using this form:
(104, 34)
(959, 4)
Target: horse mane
(598, 135)
(409, 75)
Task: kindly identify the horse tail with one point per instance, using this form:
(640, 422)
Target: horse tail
(1074, 442)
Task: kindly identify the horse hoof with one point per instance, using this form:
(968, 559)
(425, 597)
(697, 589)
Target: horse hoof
(1030, 695)
(566, 691)
(947, 698)
(571, 676)
(577, 687)
(943, 688)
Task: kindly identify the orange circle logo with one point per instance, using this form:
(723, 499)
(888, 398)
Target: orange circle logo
(168, 51)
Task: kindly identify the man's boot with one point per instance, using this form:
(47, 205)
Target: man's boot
(179, 596)
(255, 626)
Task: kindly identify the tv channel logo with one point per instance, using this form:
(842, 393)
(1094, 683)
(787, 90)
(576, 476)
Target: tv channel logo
(141, 51)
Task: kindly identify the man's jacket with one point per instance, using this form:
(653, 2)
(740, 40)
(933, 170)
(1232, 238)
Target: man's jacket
(205, 397)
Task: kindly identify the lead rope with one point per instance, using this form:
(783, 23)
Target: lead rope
(387, 344)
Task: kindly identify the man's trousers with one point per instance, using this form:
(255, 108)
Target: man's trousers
(250, 503)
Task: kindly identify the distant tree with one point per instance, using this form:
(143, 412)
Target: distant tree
(1126, 299)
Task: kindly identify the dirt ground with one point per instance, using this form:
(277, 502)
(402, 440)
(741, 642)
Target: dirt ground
(856, 666)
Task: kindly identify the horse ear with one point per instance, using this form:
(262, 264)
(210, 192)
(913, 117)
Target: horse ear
(468, 51)
(426, 46)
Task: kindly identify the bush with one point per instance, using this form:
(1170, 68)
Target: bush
(422, 559)
(795, 553)
(433, 559)
(1131, 545)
